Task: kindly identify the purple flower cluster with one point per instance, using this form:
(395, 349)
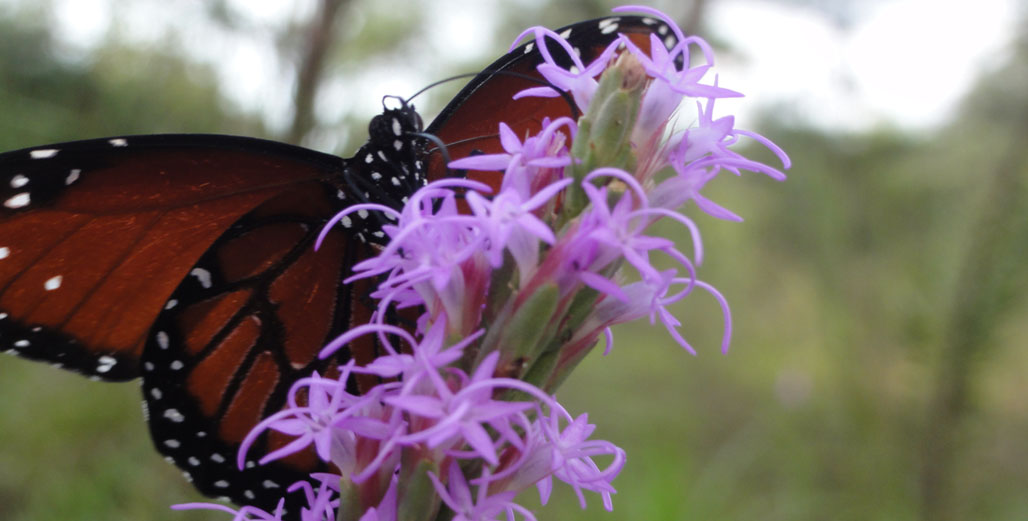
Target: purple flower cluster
(516, 287)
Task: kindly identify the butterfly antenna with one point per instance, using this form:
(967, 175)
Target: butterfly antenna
(567, 97)
(440, 82)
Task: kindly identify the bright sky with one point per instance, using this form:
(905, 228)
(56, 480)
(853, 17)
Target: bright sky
(902, 63)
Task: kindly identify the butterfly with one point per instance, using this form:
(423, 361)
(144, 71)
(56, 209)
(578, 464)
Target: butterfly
(188, 260)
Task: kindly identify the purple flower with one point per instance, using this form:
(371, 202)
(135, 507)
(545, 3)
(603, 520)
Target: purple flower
(475, 507)
(573, 454)
(321, 502)
(331, 420)
(434, 257)
(460, 415)
(526, 164)
(508, 223)
(580, 80)
(707, 145)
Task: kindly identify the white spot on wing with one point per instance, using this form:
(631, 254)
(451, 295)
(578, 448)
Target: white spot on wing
(375, 176)
(170, 304)
(174, 415)
(193, 461)
(269, 484)
(18, 201)
(249, 494)
(22, 343)
(118, 142)
(156, 393)
(19, 181)
(162, 339)
(566, 33)
(398, 145)
(346, 221)
(43, 153)
(529, 47)
(221, 483)
(148, 366)
(203, 276)
(172, 444)
(369, 159)
(53, 283)
(609, 28)
(396, 127)
(5, 252)
(72, 176)
(105, 363)
(217, 458)
(176, 365)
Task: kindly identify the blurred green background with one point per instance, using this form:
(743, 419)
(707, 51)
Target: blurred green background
(877, 368)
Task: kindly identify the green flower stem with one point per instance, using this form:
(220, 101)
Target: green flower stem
(605, 131)
(351, 508)
(416, 497)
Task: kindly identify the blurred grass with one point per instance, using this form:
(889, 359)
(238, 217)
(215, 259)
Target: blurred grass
(841, 282)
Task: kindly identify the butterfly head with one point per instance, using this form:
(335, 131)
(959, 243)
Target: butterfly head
(395, 125)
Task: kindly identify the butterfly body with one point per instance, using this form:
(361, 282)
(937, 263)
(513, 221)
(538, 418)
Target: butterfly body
(188, 260)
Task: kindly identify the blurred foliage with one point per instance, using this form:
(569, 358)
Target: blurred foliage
(844, 282)
(47, 95)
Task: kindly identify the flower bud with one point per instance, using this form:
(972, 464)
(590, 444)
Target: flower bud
(605, 130)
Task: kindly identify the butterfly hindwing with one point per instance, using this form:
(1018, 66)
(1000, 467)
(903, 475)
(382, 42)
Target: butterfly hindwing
(96, 234)
(233, 337)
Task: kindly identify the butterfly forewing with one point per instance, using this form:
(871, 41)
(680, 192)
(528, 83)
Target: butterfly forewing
(94, 235)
